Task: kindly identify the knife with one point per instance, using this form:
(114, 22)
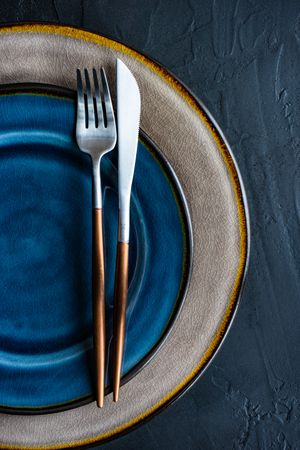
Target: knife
(128, 113)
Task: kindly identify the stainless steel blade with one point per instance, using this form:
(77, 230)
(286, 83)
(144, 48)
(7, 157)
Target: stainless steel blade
(128, 111)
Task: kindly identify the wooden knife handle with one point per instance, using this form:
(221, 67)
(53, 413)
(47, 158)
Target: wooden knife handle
(99, 304)
(120, 303)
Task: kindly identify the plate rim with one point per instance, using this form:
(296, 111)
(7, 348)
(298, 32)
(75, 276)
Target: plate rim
(69, 30)
(49, 90)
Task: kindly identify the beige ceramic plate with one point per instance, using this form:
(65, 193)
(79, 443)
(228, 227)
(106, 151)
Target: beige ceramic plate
(190, 140)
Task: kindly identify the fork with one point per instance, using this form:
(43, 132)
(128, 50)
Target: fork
(96, 135)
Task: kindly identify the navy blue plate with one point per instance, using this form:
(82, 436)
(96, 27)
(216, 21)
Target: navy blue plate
(46, 348)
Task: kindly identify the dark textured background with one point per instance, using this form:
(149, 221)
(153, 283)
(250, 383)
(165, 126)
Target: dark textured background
(242, 58)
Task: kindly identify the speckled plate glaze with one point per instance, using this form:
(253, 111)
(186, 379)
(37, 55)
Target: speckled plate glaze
(192, 142)
(46, 358)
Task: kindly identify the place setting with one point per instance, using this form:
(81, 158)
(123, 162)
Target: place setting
(124, 238)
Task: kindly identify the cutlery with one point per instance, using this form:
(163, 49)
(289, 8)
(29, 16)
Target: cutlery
(96, 135)
(128, 113)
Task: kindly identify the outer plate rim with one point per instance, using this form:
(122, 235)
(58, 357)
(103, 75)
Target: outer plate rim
(206, 117)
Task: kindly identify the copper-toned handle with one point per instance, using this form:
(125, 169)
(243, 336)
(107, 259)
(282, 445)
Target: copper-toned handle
(120, 302)
(99, 304)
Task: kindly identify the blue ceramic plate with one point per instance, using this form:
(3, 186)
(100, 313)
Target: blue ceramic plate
(46, 357)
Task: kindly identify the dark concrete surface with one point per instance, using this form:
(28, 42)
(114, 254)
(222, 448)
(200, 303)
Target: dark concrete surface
(242, 58)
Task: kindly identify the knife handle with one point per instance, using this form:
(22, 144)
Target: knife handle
(99, 304)
(120, 303)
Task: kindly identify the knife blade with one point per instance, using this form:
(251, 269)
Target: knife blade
(128, 113)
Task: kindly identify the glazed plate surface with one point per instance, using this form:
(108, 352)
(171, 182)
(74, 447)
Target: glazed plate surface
(46, 354)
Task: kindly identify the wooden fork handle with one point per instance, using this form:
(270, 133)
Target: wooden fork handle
(120, 303)
(99, 304)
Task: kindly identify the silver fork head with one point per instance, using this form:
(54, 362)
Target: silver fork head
(95, 126)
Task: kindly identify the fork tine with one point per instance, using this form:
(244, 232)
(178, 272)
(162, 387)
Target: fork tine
(80, 100)
(98, 99)
(110, 117)
(90, 100)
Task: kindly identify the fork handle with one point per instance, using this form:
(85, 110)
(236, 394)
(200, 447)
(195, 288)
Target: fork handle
(99, 304)
(120, 303)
